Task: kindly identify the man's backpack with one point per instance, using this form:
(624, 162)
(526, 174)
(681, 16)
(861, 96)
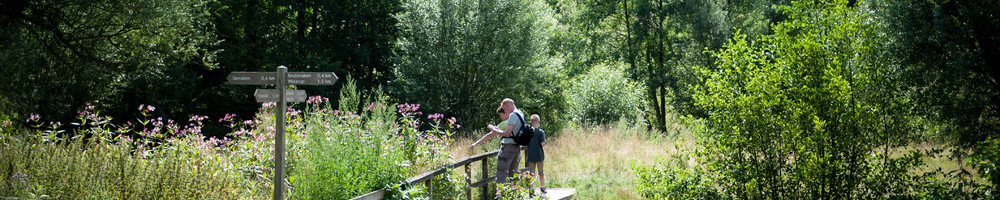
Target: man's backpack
(523, 135)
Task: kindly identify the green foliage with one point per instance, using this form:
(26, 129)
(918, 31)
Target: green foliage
(342, 160)
(450, 185)
(948, 54)
(176, 54)
(461, 57)
(987, 161)
(675, 181)
(331, 154)
(352, 152)
(153, 159)
(659, 40)
(60, 54)
(603, 95)
(805, 113)
(349, 37)
(518, 188)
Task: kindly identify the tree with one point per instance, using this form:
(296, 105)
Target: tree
(660, 40)
(353, 37)
(950, 53)
(461, 57)
(62, 54)
(810, 112)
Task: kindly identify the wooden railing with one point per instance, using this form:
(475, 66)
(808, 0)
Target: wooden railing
(466, 162)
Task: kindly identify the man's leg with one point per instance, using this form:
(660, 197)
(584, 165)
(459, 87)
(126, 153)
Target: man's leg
(517, 159)
(504, 160)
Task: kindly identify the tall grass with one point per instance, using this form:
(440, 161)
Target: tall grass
(102, 162)
(594, 160)
(331, 154)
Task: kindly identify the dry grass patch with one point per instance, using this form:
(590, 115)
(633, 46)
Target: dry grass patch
(595, 161)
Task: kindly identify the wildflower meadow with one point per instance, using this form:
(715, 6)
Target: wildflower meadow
(332, 153)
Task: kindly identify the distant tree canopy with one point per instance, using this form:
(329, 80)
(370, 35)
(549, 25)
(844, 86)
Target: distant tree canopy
(949, 55)
(59, 55)
(175, 55)
(461, 57)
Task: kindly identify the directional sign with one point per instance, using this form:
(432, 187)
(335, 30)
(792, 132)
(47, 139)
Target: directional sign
(272, 95)
(311, 78)
(252, 78)
(270, 78)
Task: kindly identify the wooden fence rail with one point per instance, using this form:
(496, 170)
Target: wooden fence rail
(466, 162)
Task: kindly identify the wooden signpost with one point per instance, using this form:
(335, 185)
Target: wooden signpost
(282, 78)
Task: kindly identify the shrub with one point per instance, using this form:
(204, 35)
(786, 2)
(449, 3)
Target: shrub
(352, 152)
(810, 112)
(603, 95)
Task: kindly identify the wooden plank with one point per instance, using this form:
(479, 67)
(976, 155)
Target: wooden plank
(425, 176)
(474, 158)
(374, 195)
(559, 193)
(484, 182)
(466, 162)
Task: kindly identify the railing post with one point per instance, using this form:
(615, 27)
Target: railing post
(486, 174)
(468, 181)
(430, 187)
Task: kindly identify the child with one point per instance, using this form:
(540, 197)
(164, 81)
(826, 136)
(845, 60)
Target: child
(535, 154)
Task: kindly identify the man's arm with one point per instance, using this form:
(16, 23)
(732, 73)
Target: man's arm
(505, 133)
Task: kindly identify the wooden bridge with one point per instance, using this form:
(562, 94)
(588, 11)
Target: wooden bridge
(483, 158)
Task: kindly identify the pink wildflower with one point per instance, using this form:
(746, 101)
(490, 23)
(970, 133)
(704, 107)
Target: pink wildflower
(228, 117)
(315, 99)
(33, 117)
(197, 118)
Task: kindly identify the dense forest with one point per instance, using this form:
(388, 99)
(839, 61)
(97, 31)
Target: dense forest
(786, 99)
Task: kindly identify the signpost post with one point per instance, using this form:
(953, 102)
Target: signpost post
(281, 79)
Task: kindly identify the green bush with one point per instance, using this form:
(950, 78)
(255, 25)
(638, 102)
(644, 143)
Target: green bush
(810, 112)
(603, 95)
(349, 152)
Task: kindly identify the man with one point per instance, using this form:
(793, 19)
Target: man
(510, 152)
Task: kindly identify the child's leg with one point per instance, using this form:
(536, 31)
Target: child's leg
(541, 172)
(531, 168)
